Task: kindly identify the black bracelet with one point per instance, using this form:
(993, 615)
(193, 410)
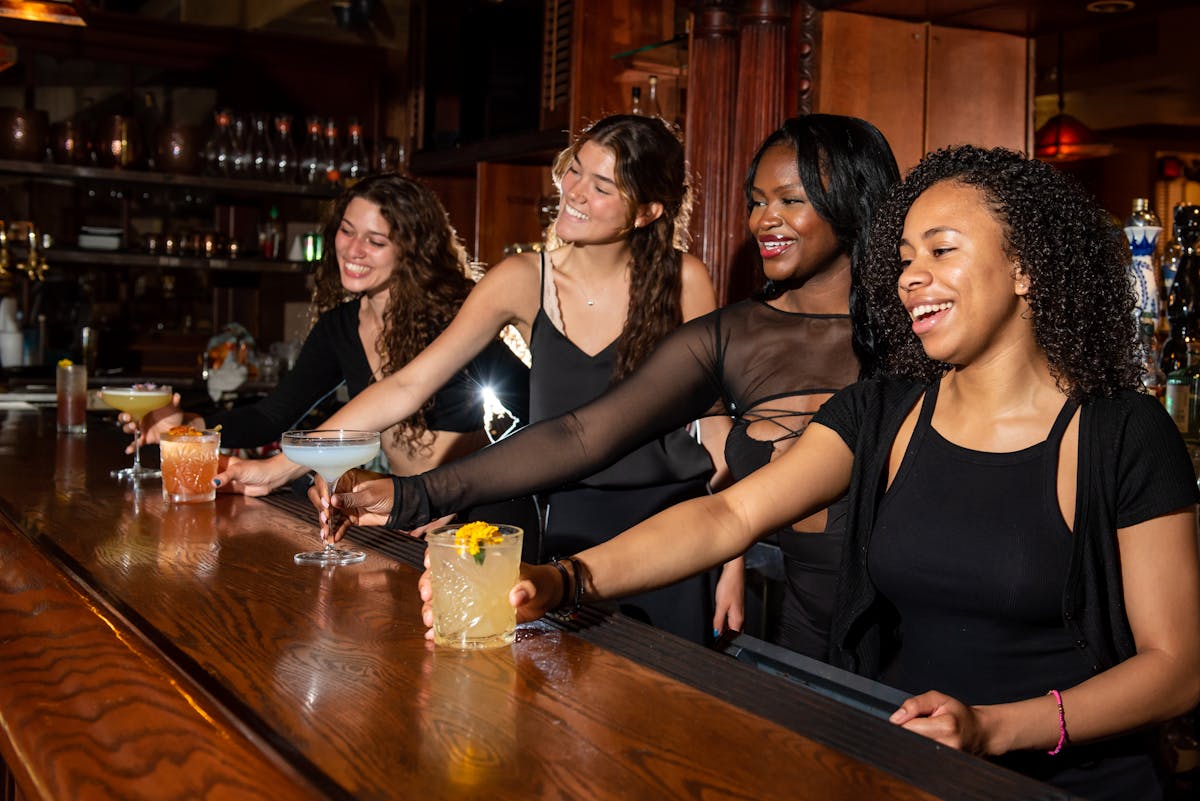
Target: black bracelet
(566, 582)
(577, 570)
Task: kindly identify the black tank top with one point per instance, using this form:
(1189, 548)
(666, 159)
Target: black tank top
(971, 549)
(562, 377)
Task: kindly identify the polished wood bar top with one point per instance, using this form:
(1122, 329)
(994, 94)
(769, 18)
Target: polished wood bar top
(164, 651)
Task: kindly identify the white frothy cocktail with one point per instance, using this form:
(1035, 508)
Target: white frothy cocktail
(330, 452)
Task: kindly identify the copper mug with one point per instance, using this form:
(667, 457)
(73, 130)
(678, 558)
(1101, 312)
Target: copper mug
(119, 142)
(68, 145)
(23, 134)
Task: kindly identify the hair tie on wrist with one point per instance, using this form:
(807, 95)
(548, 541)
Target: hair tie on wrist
(1062, 724)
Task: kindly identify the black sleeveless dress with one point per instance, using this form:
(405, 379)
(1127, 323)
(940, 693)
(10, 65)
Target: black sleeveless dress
(659, 474)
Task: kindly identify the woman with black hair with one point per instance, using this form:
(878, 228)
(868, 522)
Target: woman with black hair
(769, 363)
(1021, 533)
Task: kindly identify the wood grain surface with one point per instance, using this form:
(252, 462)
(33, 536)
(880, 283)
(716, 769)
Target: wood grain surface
(188, 656)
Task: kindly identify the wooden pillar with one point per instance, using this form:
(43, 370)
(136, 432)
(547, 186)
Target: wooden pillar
(712, 87)
(761, 106)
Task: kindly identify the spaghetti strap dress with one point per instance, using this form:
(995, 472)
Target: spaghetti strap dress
(656, 475)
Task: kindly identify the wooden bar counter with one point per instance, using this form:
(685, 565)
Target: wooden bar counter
(152, 651)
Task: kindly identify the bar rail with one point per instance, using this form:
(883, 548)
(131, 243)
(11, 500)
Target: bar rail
(157, 651)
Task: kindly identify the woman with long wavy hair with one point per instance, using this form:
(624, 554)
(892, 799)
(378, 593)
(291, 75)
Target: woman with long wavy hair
(611, 283)
(392, 278)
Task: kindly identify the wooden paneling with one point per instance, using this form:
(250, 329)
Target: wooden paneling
(458, 196)
(978, 91)
(603, 28)
(509, 196)
(874, 68)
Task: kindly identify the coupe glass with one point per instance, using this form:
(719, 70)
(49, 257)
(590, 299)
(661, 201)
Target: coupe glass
(136, 401)
(330, 452)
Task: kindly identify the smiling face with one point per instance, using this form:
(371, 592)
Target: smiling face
(365, 252)
(793, 240)
(963, 292)
(593, 209)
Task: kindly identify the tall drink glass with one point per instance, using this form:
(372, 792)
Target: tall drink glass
(331, 453)
(472, 571)
(136, 401)
(71, 391)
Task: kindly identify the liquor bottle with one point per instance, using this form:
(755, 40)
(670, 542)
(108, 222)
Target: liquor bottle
(1183, 305)
(1153, 378)
(332, 152)
(653, 107)
(240, 166)
(354, 160)
(286, 160)
(635, 101)
(219, 150)
(1142, 229)
(312, 156)
(260, 153)
(1179, 395)
(1171, 253)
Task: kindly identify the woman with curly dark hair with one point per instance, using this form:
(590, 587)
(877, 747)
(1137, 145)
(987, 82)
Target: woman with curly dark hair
(612, 282)
(392, 277)
(1022, 526)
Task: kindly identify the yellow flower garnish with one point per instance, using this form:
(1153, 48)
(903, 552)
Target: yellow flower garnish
(65, 362)
(472, 537)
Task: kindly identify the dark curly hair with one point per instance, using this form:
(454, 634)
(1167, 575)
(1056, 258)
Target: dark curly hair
(426, 288)
(846, 167)
(649, 169)
(1074, 257)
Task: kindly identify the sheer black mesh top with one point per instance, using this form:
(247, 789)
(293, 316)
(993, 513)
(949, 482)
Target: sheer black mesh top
(770, 370)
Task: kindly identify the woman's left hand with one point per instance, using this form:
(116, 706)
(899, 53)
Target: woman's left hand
(943, 719)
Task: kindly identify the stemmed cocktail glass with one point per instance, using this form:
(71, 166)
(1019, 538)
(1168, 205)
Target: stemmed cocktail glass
(136, 401)
(331, 453)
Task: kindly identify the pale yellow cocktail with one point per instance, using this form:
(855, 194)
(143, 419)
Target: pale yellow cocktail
(472, 574)
(136, 401)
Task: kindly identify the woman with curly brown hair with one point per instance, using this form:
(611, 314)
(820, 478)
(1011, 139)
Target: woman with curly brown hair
(612, 282)
(392, 278)
(1021, 551)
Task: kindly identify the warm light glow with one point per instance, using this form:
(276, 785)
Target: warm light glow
(1064, 138)
(61, 11)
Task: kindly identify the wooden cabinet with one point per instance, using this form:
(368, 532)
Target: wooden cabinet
(925, 86)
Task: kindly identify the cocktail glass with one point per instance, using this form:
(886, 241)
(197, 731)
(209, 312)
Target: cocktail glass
(470, 590)
(136, 401)
(189, 464)
(330, 452)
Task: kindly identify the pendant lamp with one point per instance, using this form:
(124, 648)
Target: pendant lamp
(63, 12)
(1063, 137)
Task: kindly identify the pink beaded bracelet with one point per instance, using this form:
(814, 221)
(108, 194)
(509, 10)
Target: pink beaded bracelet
(1062, 724)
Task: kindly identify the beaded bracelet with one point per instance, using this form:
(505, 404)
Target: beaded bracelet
(1062, 724)
(577, 583)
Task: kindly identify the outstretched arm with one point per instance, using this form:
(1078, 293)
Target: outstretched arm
(697, 534)
(674, 386)
(506, 294)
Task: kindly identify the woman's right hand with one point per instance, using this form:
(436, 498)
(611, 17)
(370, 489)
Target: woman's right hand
(361, 498)
(253, 477)
(154, 423)
(538, 590)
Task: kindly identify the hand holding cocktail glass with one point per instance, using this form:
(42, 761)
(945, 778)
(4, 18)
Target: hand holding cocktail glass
(331, 453)
(136, 401)
(468, 585)
(157, 421)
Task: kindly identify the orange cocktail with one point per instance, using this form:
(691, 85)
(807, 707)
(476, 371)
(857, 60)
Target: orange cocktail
(189, 464)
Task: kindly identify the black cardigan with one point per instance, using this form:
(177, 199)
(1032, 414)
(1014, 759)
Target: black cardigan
(1133, 467)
